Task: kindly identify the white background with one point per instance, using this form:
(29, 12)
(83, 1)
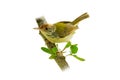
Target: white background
(98, 39)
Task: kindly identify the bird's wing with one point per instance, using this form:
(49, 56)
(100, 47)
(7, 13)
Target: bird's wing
(64, 29)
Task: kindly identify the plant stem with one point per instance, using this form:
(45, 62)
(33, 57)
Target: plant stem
(60, 59)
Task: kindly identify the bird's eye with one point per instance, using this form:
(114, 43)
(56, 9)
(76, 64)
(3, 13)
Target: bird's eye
(46, 28)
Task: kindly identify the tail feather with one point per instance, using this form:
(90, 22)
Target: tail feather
(80, 18)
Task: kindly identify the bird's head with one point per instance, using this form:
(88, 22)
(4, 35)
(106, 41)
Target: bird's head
(46, 29)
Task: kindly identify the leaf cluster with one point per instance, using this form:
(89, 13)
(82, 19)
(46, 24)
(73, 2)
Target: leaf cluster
(73, 51)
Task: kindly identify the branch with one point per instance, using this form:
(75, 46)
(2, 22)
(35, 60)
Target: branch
(60, 59)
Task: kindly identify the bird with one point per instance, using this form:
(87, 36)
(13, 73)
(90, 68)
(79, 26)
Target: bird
(61, 31)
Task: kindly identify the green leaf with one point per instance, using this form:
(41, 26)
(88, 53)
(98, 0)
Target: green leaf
(52, 57)
(46, 50)
(68, 45)
(74, 49)
(81, 59)
(54, 50)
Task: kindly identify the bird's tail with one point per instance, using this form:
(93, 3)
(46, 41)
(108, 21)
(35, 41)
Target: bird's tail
(80, 18)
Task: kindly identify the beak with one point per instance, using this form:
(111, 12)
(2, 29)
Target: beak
(36, 28)
(39, 27)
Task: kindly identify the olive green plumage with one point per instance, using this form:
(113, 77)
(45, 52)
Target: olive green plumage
(61, 31)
